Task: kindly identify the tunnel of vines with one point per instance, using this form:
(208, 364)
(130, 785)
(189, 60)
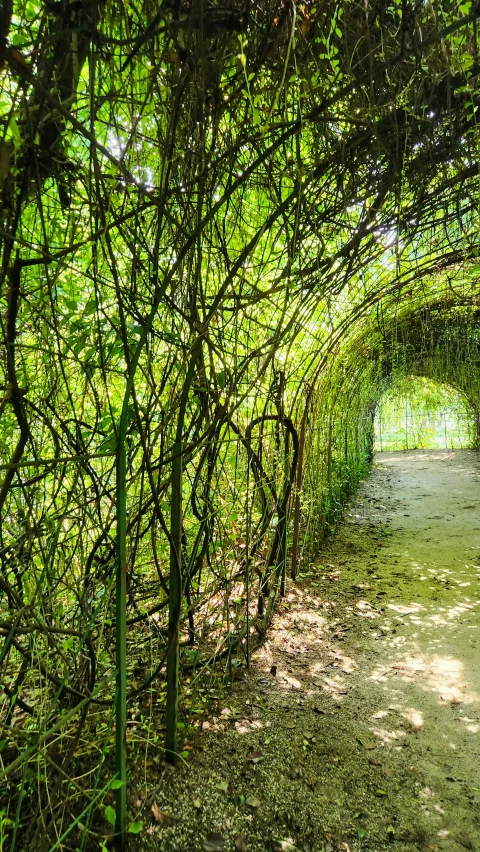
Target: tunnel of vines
(418, 413)
(228, 230)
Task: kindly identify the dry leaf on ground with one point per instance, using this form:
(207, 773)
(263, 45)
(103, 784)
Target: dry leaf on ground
(240, 843)
(161, 817)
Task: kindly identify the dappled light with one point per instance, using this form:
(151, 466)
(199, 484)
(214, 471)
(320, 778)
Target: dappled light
(441, 675)
(360, 678)
(240, 253)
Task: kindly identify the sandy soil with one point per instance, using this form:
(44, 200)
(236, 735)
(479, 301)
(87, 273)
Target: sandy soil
(357, 726)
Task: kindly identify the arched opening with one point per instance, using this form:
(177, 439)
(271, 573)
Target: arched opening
(417, 412)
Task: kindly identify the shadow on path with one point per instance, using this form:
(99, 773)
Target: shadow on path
(357, 727)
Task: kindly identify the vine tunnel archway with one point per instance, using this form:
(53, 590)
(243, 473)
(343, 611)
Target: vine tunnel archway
(223, 230)
(420, 413)
(434, 335)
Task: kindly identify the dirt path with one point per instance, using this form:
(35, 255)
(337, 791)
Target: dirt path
(357, 727)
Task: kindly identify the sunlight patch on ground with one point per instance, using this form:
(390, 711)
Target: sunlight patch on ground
(444, 617)
(443, 675)
(397, 641)
(470, 724)
(335, 685)
(342, 661)
(440, 456)
(246, 726)
(388, 737)
(404, 609)
(292, 682)
(414, 718)
(366, 610)
(300, 628)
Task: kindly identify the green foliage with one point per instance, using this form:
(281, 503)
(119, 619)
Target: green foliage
(417, 413)
(284, 197)
(110, 814)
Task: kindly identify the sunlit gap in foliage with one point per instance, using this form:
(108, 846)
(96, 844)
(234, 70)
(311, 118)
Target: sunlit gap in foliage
(420, 413)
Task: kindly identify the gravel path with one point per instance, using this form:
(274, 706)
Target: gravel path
(357, 726)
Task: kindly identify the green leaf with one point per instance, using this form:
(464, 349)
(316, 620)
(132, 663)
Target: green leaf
(13, 133)
(116, 784)
(90, 307)
(90, 353)
(110, 814)
(135, 827)
(467, 61)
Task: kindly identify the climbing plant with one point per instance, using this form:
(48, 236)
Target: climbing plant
(224, 227)
(416, 413)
